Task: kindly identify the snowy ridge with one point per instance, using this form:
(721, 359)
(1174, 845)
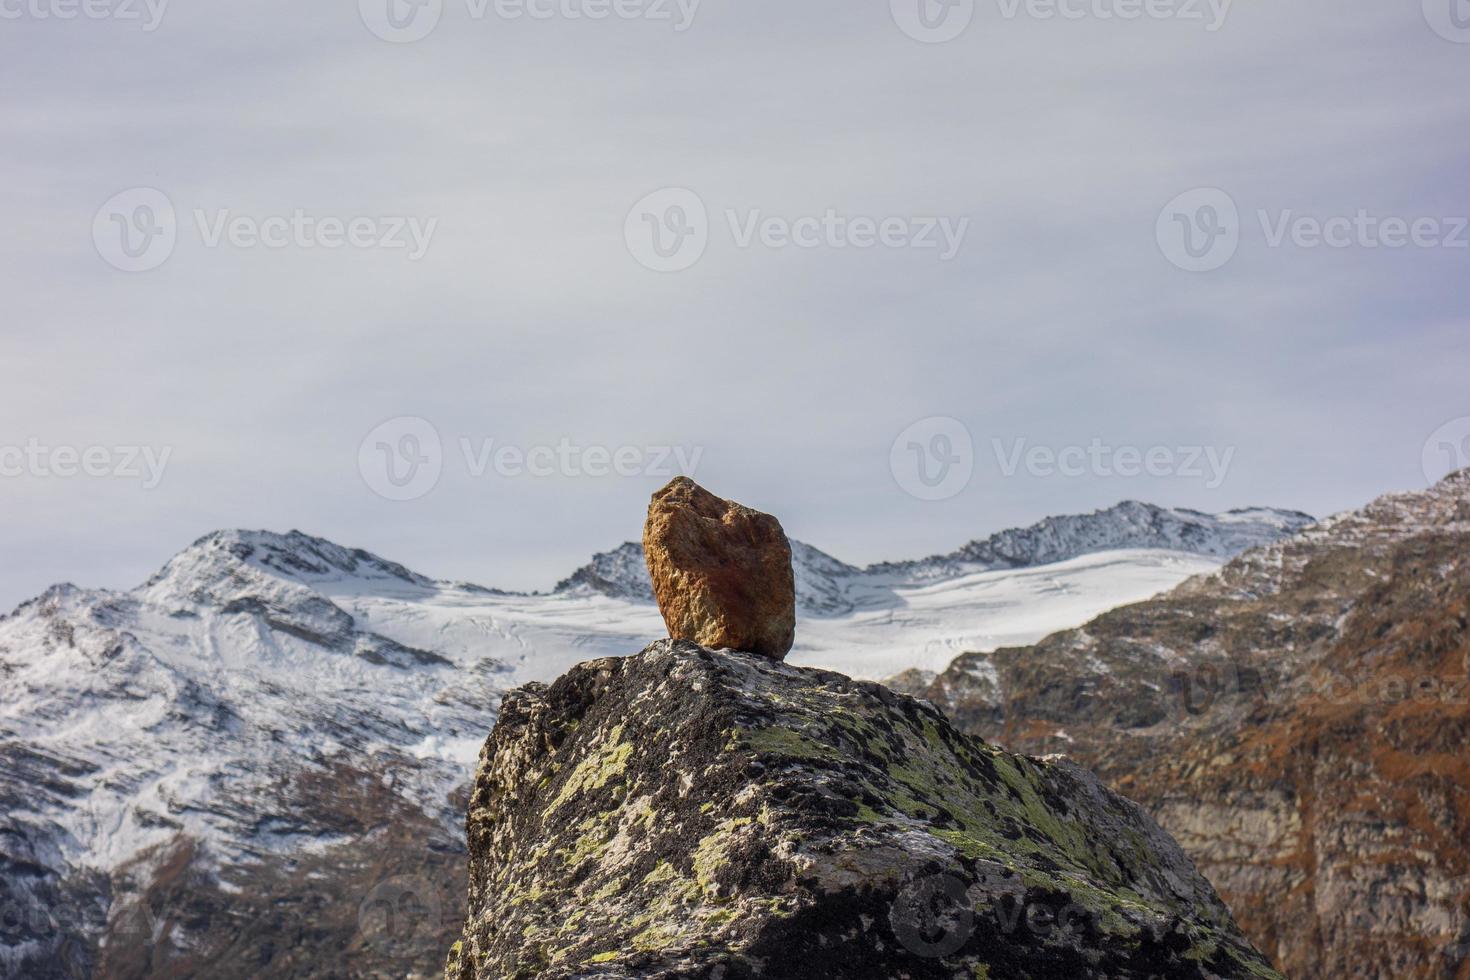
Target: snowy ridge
(827, 586)
(619, 573)
(1129, 524)
(207, 702)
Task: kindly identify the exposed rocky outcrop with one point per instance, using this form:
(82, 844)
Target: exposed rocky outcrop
(693, 813)
(1298, 721)
(721, 571)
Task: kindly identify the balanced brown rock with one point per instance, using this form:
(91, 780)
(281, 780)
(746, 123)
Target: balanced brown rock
(721, 571)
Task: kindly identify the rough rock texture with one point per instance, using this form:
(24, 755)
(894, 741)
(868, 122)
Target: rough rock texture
(721, 572)
(693, 813)
(1298, 721)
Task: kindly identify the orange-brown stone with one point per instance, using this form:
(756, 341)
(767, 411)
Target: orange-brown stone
(721, 571)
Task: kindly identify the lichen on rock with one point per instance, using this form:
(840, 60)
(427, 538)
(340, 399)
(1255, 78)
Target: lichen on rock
(686, 812)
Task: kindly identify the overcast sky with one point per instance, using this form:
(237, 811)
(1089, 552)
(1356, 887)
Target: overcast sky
(1063, 325)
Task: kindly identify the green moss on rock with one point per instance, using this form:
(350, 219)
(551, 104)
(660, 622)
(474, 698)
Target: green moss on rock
(682, 809)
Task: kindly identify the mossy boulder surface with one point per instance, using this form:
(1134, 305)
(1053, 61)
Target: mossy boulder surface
(691, 813)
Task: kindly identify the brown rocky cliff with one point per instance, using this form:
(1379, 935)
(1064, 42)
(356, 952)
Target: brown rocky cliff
(1297, 721)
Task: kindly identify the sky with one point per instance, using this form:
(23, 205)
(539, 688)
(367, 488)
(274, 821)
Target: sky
(463, 283)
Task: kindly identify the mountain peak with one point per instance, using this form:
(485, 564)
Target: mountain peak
(295, 555)
(827, 586)
(1128, 524)
(619, 573)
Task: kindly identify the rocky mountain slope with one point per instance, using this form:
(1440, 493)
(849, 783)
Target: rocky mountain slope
(185, 765)
(263, 750)
(1297, 720)
(689, 813)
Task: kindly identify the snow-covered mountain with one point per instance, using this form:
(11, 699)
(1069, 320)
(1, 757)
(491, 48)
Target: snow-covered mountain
(1130, 524)
(180, 761)
(826, 586)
